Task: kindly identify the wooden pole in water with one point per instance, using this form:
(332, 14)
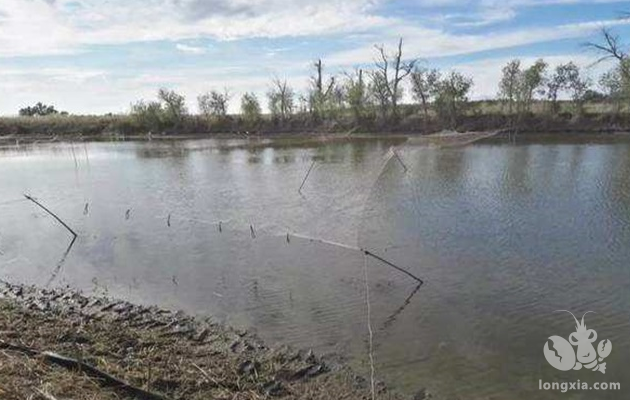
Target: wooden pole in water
(306, 177)
(399, 159)
(51, 213)
(381, 259)
(364, 251)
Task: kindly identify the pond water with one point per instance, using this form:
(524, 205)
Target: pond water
(502, 234)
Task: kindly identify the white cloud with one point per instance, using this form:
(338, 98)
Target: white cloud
(95, 91)
(44, 27)
(426, 42)
(195, 50)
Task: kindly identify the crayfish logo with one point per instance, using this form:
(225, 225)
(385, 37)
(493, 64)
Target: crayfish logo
(560, 354)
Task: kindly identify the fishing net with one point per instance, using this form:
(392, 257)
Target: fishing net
(316, 246)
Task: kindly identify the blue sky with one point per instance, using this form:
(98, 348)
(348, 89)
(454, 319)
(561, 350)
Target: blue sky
(97, 56)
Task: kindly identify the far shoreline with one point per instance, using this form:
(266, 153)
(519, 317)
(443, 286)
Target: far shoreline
(310, 137)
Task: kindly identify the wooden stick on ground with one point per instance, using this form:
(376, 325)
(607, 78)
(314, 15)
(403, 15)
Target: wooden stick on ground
(104, 378)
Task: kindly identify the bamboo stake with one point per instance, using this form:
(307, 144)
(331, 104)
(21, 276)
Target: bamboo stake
(306, 177)
(364, 251)
(399, 159)
(404, 271)
(61, 262)
(369, 327)
(51, 213)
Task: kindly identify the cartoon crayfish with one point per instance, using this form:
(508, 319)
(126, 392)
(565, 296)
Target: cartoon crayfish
(559, 352)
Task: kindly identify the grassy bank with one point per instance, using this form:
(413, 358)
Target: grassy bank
(156, 354)
(480, 116)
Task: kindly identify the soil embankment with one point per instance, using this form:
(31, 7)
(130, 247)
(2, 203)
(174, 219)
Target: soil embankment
(59, 344)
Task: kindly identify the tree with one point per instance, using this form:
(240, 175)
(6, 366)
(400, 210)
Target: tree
(400, 69)
(594, 96)
(615, 88)
(250, 108)
(424, 87)
(611, 48)
(509, 85)
(320, 93)
(214, 104)
(555, 85)
(577, 85)
(281, 99)
(567, 78)
(618, 81)
(451, 97)
(530, 82)
(149, 115)
(38, 110)
(379, 93)
(356, 94)
(174, 107)
(168, 111)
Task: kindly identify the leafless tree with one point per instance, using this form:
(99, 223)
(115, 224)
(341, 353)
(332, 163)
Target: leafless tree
(320, 92)
(391, 70)
(281, 99)
(611, 48)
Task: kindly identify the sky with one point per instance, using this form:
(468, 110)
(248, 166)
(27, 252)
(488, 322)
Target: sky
(100, 56)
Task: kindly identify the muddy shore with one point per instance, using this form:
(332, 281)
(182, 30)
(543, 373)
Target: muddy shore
(60, 344)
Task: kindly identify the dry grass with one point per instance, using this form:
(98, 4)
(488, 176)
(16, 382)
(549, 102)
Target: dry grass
(161, 352)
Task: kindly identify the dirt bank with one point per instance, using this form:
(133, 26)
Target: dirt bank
(62, 345)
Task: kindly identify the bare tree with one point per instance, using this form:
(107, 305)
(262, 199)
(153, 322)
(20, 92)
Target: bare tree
(394, 65)
(611, 48)
(281, 99)
(321, 93)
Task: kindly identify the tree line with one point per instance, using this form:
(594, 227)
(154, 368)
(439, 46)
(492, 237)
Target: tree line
(369, 97)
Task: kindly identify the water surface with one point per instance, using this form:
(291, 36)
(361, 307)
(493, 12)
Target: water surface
(502, 234)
